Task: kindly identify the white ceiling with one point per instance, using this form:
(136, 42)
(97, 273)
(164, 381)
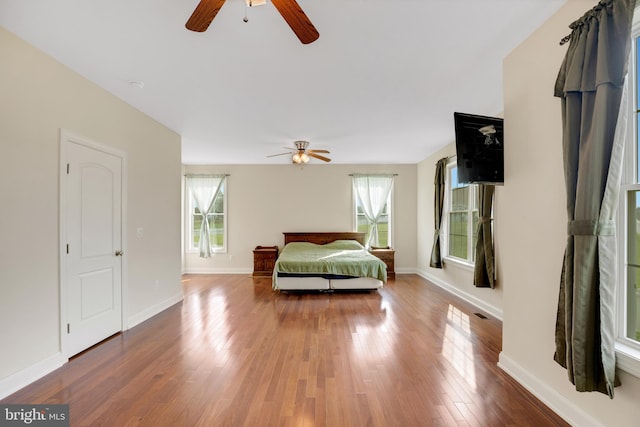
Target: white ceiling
(380, 85)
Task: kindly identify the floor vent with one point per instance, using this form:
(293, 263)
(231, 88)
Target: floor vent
(480, 315)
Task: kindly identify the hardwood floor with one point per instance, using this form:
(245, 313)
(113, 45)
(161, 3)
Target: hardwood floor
(235, 353)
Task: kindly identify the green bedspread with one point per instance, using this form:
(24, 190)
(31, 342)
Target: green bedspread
(341, 257)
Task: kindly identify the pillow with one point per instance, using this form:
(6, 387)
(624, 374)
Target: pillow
(345, 245)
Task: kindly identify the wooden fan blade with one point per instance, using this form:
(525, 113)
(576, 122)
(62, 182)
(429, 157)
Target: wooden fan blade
(318, 156)
(203, 15)
(297, 20)
(317, 151)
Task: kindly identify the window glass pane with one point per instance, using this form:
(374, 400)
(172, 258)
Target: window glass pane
(460, 198)
(474, 235)
(218, 204)
(633, 270)
(454, 178)
(637, 144)
(216, 231)
(637, 66)
(633, 303)
(363, 226)
(633, 227)
(195, 231)
(458, 234)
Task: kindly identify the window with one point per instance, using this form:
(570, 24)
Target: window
(217, 217)
(628, 227)
(364, 226)
(461, 217)
(372, 195)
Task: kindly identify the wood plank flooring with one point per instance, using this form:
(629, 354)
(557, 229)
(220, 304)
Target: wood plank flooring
(235, 353)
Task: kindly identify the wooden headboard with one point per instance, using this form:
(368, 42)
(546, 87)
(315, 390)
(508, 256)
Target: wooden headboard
(321, 238)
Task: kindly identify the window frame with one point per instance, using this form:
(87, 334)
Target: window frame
(627, 349)
(389, 205)
(468, 263)
(189, 214)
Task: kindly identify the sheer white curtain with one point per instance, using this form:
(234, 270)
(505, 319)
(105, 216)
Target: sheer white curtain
(204, 189)
(372, 192)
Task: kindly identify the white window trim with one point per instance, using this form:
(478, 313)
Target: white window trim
(627, 350)
(444, 230)
(189, 222)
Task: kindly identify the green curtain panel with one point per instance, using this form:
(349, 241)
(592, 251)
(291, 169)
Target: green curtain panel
(438, 206)
(483, 271)
(591, 86)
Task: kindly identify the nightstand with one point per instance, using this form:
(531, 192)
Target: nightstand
(387, 255)
(264, 259)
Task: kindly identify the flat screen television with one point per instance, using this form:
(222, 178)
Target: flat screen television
(479, 149)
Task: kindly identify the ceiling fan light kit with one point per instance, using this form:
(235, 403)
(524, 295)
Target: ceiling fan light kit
(300, 158)
(302, 154)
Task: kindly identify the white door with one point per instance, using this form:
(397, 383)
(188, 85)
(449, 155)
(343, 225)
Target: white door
(93, 246)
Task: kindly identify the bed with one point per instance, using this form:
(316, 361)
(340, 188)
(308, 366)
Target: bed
(325, 261)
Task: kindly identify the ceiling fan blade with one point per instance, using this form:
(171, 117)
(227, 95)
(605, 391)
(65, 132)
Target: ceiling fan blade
(203, 15)
(297, 20)
(281, 154)
(317, 151)
(318, 156)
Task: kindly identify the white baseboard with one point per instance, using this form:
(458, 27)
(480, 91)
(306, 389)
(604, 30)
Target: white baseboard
(482, 305)
(405, 271)
(138, 318)
(550, 397)
(23, 378)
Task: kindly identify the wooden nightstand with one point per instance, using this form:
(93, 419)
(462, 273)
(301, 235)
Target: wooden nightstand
(387, 255)
(264, 259)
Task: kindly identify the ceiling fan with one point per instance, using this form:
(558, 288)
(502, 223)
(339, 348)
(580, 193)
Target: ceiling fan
(289, 9)
(302, 153)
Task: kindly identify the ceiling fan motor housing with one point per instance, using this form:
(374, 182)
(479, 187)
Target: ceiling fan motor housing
(302, 145)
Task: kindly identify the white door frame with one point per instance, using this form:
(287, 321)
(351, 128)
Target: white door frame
(67, 137)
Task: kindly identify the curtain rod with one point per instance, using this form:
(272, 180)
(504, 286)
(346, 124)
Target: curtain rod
(587, 15)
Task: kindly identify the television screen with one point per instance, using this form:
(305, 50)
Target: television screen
(479, 149)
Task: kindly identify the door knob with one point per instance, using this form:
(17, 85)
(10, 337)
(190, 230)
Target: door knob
(119, 253)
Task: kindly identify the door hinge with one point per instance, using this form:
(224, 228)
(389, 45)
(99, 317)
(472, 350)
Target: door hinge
(68, 328)
(67, 248)
(67, 168)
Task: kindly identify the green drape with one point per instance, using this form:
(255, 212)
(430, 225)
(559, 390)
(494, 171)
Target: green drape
(591, 85)
(483, 271)
(438, 206)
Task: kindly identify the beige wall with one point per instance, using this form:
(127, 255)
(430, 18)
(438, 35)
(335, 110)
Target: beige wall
(266, 200)
(38, 97)
(532, 219)
(453, 277)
